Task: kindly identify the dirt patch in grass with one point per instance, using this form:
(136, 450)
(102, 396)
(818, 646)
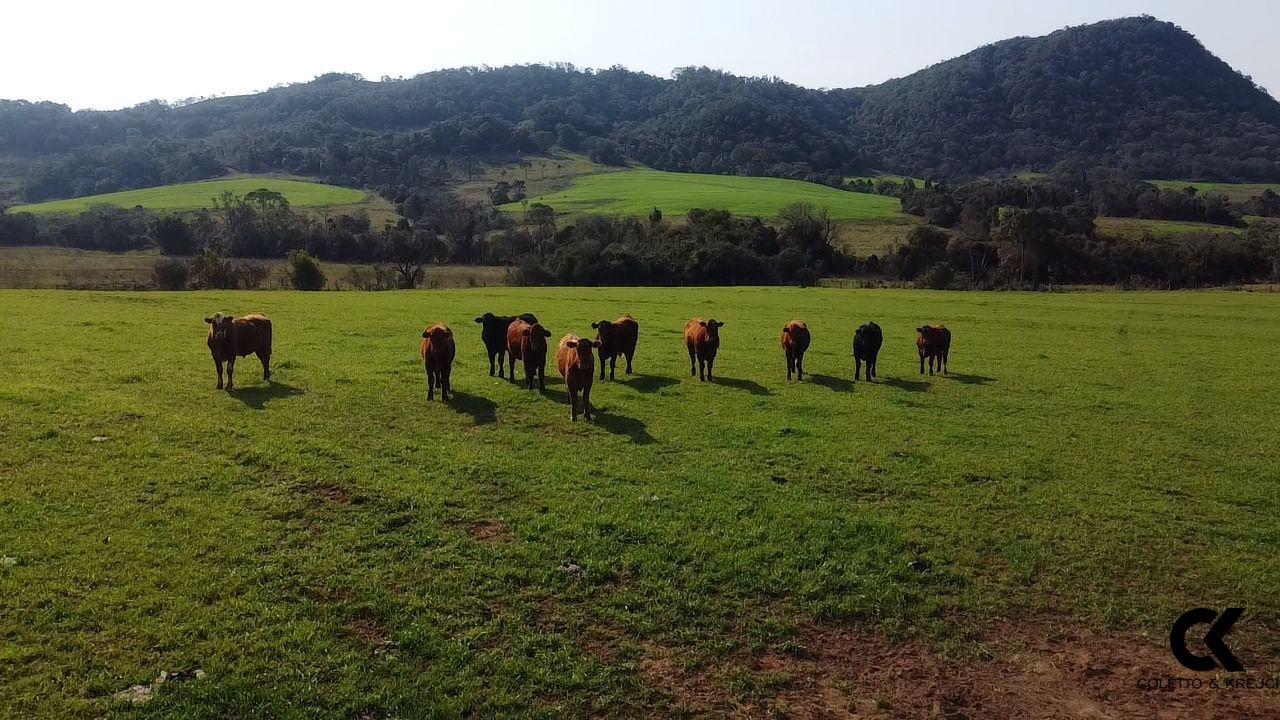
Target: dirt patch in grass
(490, 531)
(1039, 669)
(333, 494)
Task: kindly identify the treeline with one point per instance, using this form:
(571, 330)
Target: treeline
(1135, 94)
(711, 248)
(1025, 233)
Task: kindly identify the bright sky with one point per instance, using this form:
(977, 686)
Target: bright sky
(105, 55)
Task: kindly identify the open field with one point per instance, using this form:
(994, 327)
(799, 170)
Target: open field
(638, 192)
(198, 195)
(1007, 541)
(69, 268)
(1136, 227)
(1238, 192)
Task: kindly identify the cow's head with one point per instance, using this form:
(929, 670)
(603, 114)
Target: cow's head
(713, 328)
(437, 333)
(485, 319)
(221, 326)
(584, 348)
(537, 337)
(604, 330)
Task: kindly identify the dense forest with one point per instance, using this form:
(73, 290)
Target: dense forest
(1137, 94)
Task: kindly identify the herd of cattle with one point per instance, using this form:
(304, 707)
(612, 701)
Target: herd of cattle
(509, 338)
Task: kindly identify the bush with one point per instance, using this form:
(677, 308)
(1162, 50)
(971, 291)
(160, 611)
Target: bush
(210, 270)
(372, 278)
(249, 275)
(304, 271)
(170, 275)
(937, 277)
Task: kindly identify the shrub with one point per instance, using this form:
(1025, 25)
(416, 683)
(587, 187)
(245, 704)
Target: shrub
(304, 271)
(170, 274)
(937, 277)
(249, 275)
(210, 270)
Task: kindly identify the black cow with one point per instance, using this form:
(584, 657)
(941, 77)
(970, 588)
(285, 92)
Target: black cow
(494, 334)
(866, 346)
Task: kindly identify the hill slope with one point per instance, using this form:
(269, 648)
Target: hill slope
(1135, 93)
(197, 195)
(638, 192)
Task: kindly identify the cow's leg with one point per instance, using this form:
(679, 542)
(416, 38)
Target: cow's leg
(266, 366)
(603, 362)
(629, 362)
(218, 364)
(446, 388)
(710, 362)
(542, 377)
(693, 362)
(800, 366)
(857, 368)
(922, 363)
(613, 365)
(944, 361)
(491, 357)
(231, 369)
(431, 384)
(586, 402)
(871, 368)
(573, 405)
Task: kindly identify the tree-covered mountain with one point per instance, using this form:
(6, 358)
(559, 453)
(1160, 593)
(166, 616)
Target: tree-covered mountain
(1137, 94)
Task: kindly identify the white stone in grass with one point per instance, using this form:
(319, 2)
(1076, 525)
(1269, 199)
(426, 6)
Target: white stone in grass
(8, 561)
(100, 438)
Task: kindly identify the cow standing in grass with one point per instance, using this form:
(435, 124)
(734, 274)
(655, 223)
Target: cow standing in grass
(616, 338)
(528, 342)
(437, 359)
(577, 367)
(866, 348)
(702, 338)
(230, 338)
(795, 341)
(933, 343)
(493, 332)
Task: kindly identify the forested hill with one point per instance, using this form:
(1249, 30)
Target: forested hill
(1136, 93)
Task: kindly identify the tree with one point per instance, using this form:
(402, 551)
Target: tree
(408, 250)
(304, 271)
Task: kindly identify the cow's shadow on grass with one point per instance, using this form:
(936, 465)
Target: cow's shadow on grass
(832, 383)
(257, 396)
(483, 411)
(623, 425)
(971, 379)
(649, 383)
(908, 385)
(750, 386)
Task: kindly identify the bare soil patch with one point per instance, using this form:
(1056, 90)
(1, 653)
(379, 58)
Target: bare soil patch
(1039, 670)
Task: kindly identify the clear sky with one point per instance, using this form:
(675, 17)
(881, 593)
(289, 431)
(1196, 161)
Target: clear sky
(113, 54)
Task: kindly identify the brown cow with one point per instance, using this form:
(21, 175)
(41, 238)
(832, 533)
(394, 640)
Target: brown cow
(702, 337)
(528, 342)
(437, 359)
(795, 341)
(230, 338)
(616, 338)
(576, 365)
(933, 343)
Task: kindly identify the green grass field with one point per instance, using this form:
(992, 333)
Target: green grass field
(638, 192)
(1238, 192)
(197, 195)
(1133, 228)
(331, 545)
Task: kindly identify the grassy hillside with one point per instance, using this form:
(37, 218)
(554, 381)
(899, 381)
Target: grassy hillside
(1137, 227)
(638, 192)
(330, 545)
(197, 195)
(1238, 192)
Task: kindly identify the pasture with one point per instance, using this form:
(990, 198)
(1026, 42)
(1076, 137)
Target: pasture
(637, 192)
(1236, 192)
(331, 545)
(182, 197)
(1135, 228)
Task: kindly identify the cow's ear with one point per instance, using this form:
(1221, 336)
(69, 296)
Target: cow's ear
(595, 344)
(209, 320)
(525, 332)
(786, 330)
(448, 332)
(595, 326)
(703, 323)
(920, 330)
(425, 333)
(571, 343)
(479, 319)
(546, 333)
(719, 323)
